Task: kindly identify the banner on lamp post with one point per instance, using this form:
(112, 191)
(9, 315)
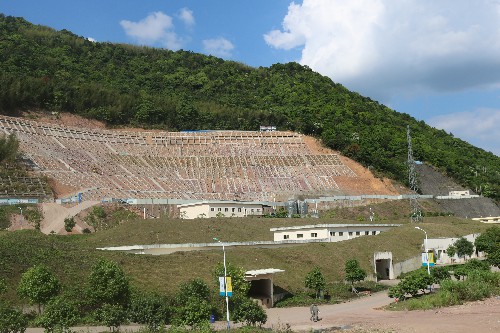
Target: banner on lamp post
(223, 287)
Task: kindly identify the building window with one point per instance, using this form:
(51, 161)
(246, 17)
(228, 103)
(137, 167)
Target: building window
(239, 210)
(341, 233)
(357, 233)
(286, 236)
(232, 209)
(350, 233)
(367, 232)
(219, 209)
(374, 232)
(226, 209)
(332, 233)
(300, 235)
(314, 234)
(212, 209)
(252, 210)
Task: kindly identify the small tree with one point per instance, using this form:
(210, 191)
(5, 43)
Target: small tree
(489, 242)
(38, 285)
(69, 224)
(97, 218)
(451, 251)
(111, 315)
(12, 320)
(151, 310)
(315, 280)
(494, 258)
(353, 272)
(464, 247)
(59, 315)
(196, 288)
(193, 304)
(108, 284)
(249, 312)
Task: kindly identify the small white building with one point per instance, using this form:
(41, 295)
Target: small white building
(331, 232)
(465, 193)
(206, 209)
(439, 246)
(488, 219)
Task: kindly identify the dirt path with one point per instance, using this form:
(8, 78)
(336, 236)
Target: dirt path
(54, 215)
(362, 315)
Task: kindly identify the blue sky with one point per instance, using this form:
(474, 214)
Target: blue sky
(438, 61)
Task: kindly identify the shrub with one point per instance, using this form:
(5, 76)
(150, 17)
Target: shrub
(69, 224)
(249, 312)
(60, 314)
(11, 320)
(412, 284)
(439, 274)
(151, 310)
(111, 315)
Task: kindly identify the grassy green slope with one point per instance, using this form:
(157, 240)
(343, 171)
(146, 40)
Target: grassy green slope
(71, 257)
(126, 85)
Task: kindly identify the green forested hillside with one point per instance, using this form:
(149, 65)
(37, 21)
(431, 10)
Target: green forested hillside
(41, 68)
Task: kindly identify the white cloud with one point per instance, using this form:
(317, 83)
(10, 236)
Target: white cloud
(186, 16)
(157, 27)
(219, 47)
(90, 39)
(479, 127)
(385, 47)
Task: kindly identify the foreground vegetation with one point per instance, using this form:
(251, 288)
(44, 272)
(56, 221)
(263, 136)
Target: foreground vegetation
(107, 298)
(124, 85)
(473, 281)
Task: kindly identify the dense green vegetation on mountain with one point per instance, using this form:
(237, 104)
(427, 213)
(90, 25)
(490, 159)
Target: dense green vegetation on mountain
(127, 85)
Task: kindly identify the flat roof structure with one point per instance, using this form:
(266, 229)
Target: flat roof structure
(262, 286)
(329, 232)
(316, 226)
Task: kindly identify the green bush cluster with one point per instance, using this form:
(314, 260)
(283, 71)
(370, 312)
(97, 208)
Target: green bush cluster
(474, 281)
(108, 299)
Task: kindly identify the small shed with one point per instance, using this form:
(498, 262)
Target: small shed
(262, 286)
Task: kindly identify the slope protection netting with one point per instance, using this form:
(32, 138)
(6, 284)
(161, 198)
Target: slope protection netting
(209, 165)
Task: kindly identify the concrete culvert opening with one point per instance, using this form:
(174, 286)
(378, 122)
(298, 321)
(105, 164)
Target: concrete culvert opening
(383, 265)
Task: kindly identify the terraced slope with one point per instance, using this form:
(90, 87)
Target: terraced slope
(210, 165)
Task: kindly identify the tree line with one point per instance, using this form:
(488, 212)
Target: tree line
(108, 298)
(126, 85)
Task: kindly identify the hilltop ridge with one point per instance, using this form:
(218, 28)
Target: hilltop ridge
(124, 85)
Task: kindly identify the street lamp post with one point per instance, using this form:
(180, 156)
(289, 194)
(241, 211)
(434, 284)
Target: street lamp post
(426, 251)
(225, 282)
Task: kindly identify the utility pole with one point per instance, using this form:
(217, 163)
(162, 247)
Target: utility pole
(416, 213)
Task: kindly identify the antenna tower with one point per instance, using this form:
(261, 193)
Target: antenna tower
(416, 212)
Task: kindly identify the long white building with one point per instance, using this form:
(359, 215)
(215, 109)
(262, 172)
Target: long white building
(207, 209)
(331, 232)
